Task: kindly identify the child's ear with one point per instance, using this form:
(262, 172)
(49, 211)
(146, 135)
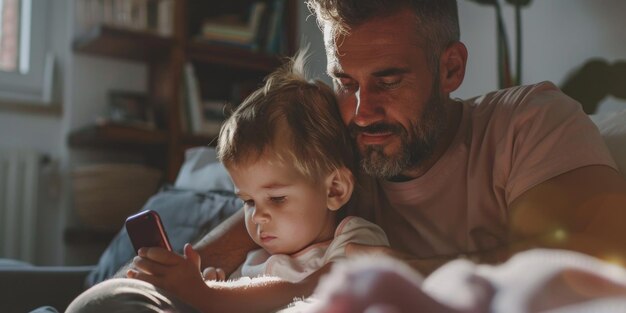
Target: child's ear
(339, 186)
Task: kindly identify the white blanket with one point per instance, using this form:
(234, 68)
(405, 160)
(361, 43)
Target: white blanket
(540, 280)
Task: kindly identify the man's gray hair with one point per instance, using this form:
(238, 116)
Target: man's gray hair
(437, 20)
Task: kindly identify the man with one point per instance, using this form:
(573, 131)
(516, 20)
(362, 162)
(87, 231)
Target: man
(483, 178)
(459, 178)
(481, 181)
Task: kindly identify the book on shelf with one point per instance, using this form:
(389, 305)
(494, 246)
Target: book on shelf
(143, 15)
(163, 20)
(259, 30)
(193, 98)
(235, 30)
(275, 28)
(183, 116)
(200, 117)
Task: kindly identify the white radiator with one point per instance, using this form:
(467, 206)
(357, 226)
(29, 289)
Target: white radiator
(19, 189)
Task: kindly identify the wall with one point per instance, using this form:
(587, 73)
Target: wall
(311, 35)
(46, 137)
(559, 36)
(44, 133)
(80, 88)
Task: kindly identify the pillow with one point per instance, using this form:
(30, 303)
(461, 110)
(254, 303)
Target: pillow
(613, 129)
(202, 172)
(186, 215)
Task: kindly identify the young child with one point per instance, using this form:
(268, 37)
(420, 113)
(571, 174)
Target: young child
(291, 159)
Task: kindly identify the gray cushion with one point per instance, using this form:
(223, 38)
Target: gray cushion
(202, 172)
(186, 215)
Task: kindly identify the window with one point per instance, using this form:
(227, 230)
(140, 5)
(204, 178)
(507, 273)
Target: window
(9, 35)
(25, 65)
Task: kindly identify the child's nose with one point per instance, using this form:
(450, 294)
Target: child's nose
(260, 216)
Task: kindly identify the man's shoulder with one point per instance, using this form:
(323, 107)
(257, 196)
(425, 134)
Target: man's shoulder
(522, 102)
(514, 96)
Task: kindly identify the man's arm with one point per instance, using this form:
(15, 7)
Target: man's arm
(226, 245)
(582, 210)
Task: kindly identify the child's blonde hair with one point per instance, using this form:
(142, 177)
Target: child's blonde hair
(291, 119)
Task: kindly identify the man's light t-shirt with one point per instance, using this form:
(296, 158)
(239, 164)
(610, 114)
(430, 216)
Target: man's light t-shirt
(508, 141)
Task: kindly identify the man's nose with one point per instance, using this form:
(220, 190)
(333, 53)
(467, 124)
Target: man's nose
(368, 108)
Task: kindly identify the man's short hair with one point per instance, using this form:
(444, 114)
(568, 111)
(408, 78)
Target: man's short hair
(437, 20)
(292, 119)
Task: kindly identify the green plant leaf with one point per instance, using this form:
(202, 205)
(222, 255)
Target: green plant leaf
(523, 3)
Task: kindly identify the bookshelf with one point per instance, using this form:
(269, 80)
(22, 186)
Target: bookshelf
(117, 137)
(109, 41)
(223, 71)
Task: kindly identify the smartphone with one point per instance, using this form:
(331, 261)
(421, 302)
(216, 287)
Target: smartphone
(146, 230)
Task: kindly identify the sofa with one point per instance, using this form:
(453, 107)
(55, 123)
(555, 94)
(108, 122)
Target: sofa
(205, 191)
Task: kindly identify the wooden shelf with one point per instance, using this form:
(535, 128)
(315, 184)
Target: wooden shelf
(224, 72)
(224, 55)
(117, 136)
(123, 43)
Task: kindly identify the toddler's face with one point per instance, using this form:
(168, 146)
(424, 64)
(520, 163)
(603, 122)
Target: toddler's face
(284, 211)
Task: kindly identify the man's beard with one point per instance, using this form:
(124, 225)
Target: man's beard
(417, 144)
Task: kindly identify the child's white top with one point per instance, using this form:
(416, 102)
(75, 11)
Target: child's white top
(303, 263)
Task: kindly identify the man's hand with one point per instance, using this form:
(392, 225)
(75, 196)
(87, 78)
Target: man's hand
(423, 266)
(177, 274)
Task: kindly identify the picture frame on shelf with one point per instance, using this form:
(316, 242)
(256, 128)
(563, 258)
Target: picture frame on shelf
(130, 108)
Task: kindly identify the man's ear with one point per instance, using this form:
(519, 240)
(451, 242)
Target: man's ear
(452, 67)
(339, 187)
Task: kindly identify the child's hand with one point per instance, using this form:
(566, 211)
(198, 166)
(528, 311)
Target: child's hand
(213, 273)
(178, 274)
